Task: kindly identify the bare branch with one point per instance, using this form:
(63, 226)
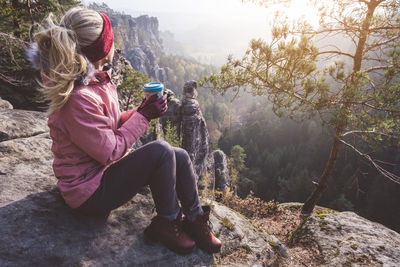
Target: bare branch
(397, 27)
(370, 47)
(391, 176)
(379, 68)
(336, 52)
(356, 131)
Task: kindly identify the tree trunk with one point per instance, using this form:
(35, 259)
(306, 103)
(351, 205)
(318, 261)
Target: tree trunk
(312, 200)
(326, 176)
(15, 6)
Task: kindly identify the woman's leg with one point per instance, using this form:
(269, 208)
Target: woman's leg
(197, 217)
(153, 164)
(186, 186)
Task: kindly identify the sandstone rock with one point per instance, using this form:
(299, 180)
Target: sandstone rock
(138, 59)
(139, 39)
(195, 138)
(174, 113)
(25, 168)
(119, 65)
(38, 229)
(189, 89)
(16, 123)
(4, 104)
(151, 57)
(236, 232)
(346, 239)
(222, 180)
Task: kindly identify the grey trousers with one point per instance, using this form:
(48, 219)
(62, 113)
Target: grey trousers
(169, 172)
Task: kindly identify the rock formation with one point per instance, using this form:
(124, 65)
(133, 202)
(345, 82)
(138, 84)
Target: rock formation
(173, 114)
(222, 179)
(189, 122)
(4, 104)
(346, 239)
(195, 138)
(38, 229)
(119, 65)
(139, 40)
(20, 123)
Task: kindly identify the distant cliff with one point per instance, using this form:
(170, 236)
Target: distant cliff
(142, 44)
(139, 40)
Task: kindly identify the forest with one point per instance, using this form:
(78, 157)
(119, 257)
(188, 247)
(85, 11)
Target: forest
(281, 159)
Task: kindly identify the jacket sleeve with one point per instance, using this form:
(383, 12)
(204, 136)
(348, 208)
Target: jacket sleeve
(92, 131)
(125, 116)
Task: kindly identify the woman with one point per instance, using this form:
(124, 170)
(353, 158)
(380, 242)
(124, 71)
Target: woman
(91, 138)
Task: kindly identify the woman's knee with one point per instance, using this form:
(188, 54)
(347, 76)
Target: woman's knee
(181, 155)
(162, 147)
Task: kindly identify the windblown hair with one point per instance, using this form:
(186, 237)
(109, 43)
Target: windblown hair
(58, 54)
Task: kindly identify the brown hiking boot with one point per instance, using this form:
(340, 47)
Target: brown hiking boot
(170, 234)
(200, 232)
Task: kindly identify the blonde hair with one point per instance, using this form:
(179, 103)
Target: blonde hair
(59, 51)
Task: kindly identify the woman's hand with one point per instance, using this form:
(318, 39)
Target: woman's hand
(152, 107)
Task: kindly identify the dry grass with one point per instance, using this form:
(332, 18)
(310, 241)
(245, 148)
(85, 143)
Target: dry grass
(278, 221)
(237, 256)
(251, 207)
(302, 252)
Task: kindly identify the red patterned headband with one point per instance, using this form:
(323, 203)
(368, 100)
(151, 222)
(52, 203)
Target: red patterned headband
(102, 46)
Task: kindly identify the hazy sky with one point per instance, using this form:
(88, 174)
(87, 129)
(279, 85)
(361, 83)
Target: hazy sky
(181, 15)
(210, 28)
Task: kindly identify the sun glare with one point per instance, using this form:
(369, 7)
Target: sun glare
(299, 9)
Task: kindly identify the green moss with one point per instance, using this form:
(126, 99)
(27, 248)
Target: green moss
(248, 249)
(293, 207)
(381, 248)
(322, 225)
(354, 246)
(227, 223)
(319, 211)
(373, 257)
(321, 216)
(217, 235)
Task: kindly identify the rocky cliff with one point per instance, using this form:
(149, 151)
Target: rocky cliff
(139, 40)
(189, 121)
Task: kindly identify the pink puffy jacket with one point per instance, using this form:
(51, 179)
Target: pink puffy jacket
(89, 134)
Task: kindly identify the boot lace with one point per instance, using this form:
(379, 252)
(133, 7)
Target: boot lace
(206, 226)
(176, 229)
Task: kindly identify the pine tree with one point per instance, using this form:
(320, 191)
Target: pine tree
(356, 93)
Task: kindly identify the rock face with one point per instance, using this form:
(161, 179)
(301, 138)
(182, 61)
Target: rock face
(119, 65)
(20, 123)
(4, 104)
(346, 239)
(174, 113)
(195, 138)
(37, 228)
(222, 179)
(139, 40)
